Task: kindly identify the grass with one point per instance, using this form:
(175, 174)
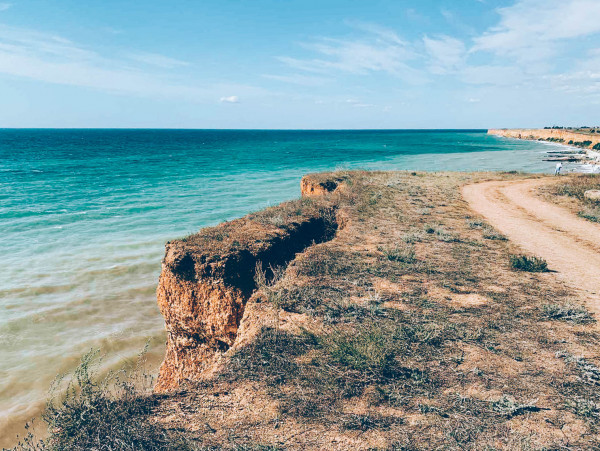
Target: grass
(528, 264)
(102, 413)
(577, 314)
(400, 253)
(575, 188)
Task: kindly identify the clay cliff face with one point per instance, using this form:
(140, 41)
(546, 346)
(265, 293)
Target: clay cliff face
(546, 134)
(208, 278)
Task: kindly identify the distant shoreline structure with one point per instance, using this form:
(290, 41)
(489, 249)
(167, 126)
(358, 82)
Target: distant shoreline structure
(589, 142)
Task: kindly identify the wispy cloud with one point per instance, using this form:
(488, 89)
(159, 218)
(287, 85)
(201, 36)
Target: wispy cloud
(155, 59)
(54, 59)
(230, 99)
(378, 50)
(4, 6)
(446, 53)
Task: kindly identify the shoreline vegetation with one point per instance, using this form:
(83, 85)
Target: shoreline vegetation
(399, 319)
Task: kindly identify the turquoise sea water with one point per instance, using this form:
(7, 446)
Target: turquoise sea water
(84, 215)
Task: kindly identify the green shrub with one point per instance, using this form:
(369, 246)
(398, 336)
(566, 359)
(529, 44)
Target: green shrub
(529, 264)
(596, 146)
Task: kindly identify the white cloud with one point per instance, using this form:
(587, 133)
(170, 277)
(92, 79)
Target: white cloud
(5, 6)
(155, 59)
(446, 53)
(358, 104)
(230, 99)
(532, 29)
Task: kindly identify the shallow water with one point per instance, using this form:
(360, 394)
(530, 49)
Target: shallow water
(84, 215)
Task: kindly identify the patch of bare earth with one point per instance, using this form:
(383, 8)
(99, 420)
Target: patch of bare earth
(407, 330)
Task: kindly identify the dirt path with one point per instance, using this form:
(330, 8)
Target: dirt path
(569, 244)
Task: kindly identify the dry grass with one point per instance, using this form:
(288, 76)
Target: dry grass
(570, 193)
(408, 330)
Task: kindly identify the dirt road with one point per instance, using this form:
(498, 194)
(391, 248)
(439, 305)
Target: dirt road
(570, 245)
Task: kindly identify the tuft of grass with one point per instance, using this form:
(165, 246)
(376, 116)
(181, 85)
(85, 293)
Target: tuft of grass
(577, 314)
(528, 264)
(413, 237)
(400, 253)
(491, 234)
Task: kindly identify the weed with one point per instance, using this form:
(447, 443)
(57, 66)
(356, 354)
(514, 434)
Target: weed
(528, 264)
(509, 407)
(577, 314)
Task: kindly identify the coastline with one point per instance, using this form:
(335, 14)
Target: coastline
(585, 141)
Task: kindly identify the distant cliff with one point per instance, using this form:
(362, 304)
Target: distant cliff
(563, 136)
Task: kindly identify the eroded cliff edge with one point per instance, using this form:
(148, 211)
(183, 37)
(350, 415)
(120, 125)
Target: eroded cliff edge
(208, 278)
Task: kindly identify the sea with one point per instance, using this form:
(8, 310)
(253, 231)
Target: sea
(85, 214)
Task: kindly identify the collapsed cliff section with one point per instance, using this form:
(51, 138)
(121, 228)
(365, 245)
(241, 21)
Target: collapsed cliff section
(207, 278)
(322, 184)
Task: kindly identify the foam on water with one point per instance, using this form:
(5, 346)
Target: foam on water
(84, 215)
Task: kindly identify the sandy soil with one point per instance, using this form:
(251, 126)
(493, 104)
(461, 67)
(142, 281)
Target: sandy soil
(570, 245)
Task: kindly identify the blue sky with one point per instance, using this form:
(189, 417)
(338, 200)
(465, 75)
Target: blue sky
(299, 63)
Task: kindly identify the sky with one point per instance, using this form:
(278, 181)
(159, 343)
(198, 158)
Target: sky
(297, 64)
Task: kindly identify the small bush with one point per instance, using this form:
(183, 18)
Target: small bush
(509, 407)
(568, 312)
(528, 264)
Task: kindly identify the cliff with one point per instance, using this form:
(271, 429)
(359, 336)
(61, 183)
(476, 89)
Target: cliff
(557, 135)
(208, 278)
